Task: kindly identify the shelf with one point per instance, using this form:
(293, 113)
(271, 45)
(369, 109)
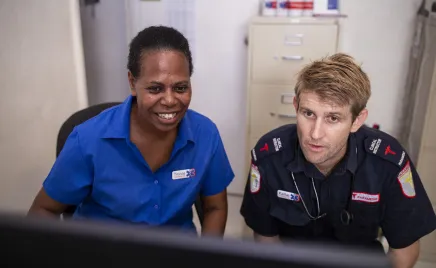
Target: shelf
(294, 20)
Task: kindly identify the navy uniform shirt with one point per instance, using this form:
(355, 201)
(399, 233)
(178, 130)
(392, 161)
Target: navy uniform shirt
(375, 182)
(104, 173)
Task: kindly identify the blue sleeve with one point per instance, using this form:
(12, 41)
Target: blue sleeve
(70, 178)
(219, 172)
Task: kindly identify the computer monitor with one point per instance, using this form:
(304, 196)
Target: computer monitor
(52, 243)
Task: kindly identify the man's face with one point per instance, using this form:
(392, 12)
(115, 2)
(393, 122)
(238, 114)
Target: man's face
(163, 89)
(323, 129)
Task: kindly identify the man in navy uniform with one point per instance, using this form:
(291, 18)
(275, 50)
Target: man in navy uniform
(330, 178)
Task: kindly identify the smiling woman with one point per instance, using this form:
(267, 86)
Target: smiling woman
(146, 160)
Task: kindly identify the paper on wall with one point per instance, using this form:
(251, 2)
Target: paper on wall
(180, 14)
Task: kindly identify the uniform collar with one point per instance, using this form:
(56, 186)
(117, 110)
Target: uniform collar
(119, 127)
(186, 127)
(349, 162)
(352, 153)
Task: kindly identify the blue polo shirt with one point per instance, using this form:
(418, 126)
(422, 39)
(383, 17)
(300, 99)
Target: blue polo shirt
(103, 172)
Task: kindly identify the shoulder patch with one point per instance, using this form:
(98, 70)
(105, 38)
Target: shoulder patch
(388, 149)
(266, 147)
(273, 142)
(254, 179)
(405, 179)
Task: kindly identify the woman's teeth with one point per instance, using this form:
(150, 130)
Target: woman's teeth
(167, 116)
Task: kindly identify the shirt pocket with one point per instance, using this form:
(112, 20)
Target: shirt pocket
(289, 212)
(366, 215)
(364, 225)
(120, 195)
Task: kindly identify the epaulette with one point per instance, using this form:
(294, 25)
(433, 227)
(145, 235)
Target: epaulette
(271, 143)
(386, 147)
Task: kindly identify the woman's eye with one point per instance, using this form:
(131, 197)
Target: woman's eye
(181, 88)
(154, 89)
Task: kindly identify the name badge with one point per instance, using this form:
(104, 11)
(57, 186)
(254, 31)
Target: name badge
(288, 195)
(365, 197)
(183, 174)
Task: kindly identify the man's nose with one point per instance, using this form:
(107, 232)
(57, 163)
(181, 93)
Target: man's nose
(317, 130)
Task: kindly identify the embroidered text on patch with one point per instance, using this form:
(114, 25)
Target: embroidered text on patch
(406, 181)
(277, 144)
(403, 154)
(375, 144)
(365, 197)
(253, 153)
(254, 179)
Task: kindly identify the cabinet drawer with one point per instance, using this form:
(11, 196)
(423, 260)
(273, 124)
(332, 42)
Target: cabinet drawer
(280, 51)
(270, 107)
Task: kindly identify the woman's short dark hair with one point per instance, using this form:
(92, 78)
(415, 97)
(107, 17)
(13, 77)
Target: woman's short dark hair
(157, 38)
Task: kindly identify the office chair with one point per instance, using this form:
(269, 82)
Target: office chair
(80, 117)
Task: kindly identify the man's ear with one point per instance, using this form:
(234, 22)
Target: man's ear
(360, 119)
(295, 101)
(131, 83)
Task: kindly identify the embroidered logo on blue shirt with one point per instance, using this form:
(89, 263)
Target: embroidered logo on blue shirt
(183, 174)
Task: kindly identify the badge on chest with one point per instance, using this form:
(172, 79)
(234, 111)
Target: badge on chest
(183, 174)
(288, 195)
(365, 197)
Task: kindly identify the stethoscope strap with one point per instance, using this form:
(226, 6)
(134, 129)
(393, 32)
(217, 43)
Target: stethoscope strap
(304, 203)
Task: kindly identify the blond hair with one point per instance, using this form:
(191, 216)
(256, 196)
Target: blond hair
(337, 79)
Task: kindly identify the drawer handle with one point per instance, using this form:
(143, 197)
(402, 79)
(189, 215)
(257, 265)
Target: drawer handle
(292, 57)
(289, 36)
(284, 115)
(293, 43)
(294, 40)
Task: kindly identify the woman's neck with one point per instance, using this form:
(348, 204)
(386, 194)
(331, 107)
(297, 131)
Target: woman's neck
(148, 131)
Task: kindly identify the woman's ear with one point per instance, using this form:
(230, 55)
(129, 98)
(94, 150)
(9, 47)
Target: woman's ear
(131, 83)
(360, 119)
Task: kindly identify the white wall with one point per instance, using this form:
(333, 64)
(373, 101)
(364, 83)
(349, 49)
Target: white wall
(377, 33)
(104, 34)
(42, 81)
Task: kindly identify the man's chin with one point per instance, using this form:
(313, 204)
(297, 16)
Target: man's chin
(314, 159)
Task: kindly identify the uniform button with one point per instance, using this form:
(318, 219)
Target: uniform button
(156, 182)
(156, 206)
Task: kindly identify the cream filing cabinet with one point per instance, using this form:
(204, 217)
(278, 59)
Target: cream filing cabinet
(278, 49)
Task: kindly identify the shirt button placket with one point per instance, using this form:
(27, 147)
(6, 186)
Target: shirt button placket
(157, 199)
(156, 206)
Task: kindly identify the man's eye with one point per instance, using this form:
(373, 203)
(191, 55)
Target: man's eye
(333, 119)
(308, 114)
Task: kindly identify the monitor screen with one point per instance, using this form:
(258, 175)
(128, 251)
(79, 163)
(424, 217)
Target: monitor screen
(53, 243)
